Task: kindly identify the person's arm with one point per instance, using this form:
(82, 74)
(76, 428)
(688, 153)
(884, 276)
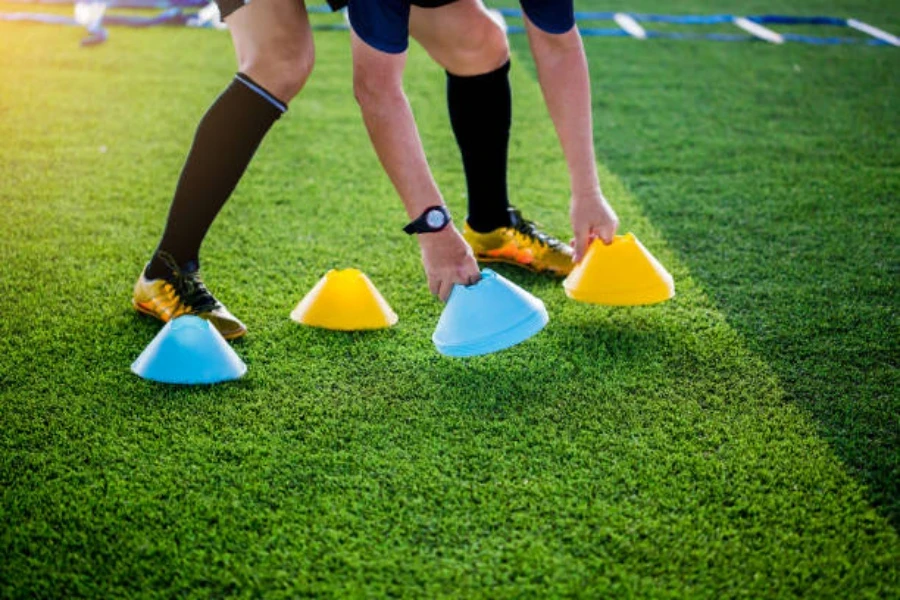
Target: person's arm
(563, 75)
(378, 85)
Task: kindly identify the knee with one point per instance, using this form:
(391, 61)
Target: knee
(280, 66)
(473, 44)
(375, 91)
(364, 89)
(494, 41)
(555, 42)
(484, 49)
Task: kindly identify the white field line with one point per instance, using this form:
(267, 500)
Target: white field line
(757, 30)
(629, 25)
(874, 32)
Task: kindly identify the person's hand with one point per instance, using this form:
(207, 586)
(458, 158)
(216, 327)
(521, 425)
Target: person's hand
(592, 218)
(448, 260)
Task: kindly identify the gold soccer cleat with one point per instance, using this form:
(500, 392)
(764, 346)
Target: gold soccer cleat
(184, 294)
(521, 244)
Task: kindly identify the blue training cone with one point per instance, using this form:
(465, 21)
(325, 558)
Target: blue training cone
(488, 316)
(189, 350)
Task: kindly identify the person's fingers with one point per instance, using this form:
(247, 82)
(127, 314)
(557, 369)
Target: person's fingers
(607, 234)
(582, 240)
(609, 231)
(593, 236)
(434, 285)
(445, 289)
(469, 273)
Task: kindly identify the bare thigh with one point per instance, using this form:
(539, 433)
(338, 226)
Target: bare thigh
(461, 37)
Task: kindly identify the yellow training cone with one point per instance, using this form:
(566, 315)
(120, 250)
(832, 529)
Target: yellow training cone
(622, 273)
(344, 300)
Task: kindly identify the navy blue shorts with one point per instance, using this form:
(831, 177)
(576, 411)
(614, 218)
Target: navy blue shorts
(384, 24)
(552, 16)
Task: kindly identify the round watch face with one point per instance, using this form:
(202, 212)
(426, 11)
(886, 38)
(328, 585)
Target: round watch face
(435, 218)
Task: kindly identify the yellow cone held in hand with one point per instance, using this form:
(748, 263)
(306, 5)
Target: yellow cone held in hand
(622, 273)
(345, 300)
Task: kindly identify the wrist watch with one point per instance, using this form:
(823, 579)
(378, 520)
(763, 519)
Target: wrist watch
(435, 218)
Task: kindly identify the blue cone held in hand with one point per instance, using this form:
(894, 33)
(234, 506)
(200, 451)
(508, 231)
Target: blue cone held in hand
(189, 350)
(488, 316)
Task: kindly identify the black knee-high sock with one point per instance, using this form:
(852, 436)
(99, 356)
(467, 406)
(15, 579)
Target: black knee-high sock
(226, 139)
(480, 114)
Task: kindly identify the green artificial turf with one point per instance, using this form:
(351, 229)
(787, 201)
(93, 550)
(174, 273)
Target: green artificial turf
(740, 440)
(796, 152)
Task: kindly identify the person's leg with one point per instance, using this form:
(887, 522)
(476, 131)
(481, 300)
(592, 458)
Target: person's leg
(472, 47)
(275, 56)
(473, 50)
(273, 43)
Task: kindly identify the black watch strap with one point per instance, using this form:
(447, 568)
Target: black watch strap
(432, 219)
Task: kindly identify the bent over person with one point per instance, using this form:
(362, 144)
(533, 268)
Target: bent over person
(273, 43)
(462, 37)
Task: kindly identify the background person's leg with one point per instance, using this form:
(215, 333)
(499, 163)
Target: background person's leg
(273, 43)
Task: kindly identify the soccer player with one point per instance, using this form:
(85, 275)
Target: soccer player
(463, 38)
(273, 43)
(274, 47)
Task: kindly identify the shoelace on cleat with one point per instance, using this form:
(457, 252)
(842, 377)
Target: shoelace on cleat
(529, 229)
(189, 286)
